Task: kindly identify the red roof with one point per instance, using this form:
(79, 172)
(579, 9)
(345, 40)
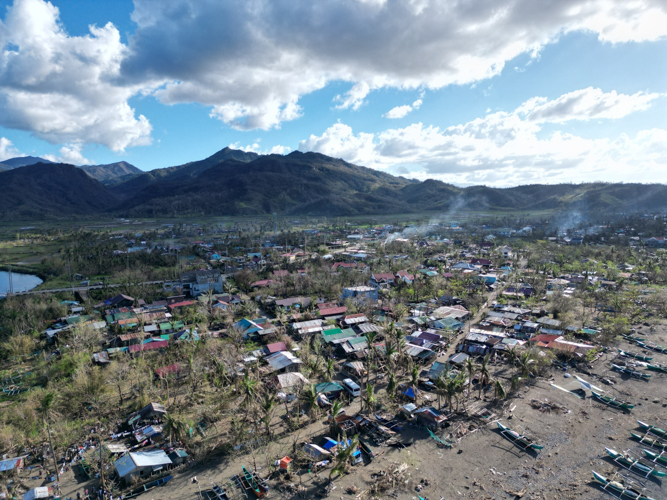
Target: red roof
(333, 311)
(344, 264)
(149, 346)
(276, 347)
(262, 283)
(544, 338)
(180, 304)
(358, 315)
(326, 305)
(383, 276)
(166, 370)
(281, 273)
(405, 274)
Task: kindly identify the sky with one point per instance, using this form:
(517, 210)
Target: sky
(495, 92)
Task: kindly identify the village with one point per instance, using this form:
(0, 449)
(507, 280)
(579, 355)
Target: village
(438, 360)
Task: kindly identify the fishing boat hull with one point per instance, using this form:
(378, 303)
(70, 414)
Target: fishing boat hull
(518, 438)
(654, 347)
(614, 403)
(634, 465)
(632, 373)
(620, 490)
(652, 428)
(654, 443)
(655, 457)
(657, 368)
(627, 354)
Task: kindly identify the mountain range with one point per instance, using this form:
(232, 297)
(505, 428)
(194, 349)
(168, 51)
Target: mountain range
(233, 182)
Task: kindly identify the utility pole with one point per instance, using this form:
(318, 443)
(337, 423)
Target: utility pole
(53, 452)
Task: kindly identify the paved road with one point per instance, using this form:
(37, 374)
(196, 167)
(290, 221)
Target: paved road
(82, 288)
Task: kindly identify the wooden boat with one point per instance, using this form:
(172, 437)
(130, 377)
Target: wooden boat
(640, 357)
(634, 464)
(366, 449)
(653, 346)
(613, 402)
(646, 439)
(657, 368)
(632, 373)
(618, 488)
(634, 338)
(653, 429)
(658, 458)
(523, 441)
(259, 487)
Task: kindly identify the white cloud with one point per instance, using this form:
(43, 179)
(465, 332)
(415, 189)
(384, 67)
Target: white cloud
(585, 104)
(504, 149)
(256, 148)
(252, 61)
(7, 149)
(71, 154)
(398, 111)
(62, 88)
(401, 111)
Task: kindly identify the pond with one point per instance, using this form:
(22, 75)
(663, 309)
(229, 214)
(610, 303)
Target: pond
(20, 282)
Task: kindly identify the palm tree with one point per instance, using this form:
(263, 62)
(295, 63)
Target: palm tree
(470, 369)
(512, 355)
(343, 455)
(440, 390)
(309, 396)
(391, 385)
(499, 390)
(370, 400)
(268, 408)
(414, 378)
(525, 363)
(176, 427)
(249, 389)
(484, 374)
(336, 407)
(330, 369)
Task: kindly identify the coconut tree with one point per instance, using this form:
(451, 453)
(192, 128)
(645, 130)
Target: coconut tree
(330, 369)
(484, 374)
(336, 407)
(526, 364)
(440, 385)
(499, 390)
(268, 409)
(470, 369)
(176, 427)
(249, 389)
(47, 412)
(369, 400)
(512, 355)
(344, 455)
(309, 396)
(391, 385)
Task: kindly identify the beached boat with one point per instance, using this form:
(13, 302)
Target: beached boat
(634, 338)
(640, 357)
(519, 439)
(366, 449)
(653, 346)
(634, 464)
(653, 442)
(618, 488)
(254, 483)
(658, 458)
(653, 429)
(632, 373)
(657, 368)
(616, 403)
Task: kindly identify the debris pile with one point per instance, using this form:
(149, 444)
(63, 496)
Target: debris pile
(391, 479)
(548, 406)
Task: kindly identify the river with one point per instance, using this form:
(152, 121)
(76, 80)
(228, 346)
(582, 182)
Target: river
(21, 282)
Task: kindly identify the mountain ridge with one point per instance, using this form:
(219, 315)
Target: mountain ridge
(232, 182)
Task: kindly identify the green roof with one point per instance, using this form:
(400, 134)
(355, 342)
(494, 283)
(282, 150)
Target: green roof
(332, 331)
(337, 336)
(356, 340)
(326, 387)
(178, 325)
(165, 326)
(350, 332)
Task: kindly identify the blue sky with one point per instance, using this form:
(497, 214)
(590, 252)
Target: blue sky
(571, 92)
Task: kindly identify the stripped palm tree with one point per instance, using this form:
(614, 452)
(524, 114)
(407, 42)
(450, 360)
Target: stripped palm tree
(344, 455)
(336, 407)
(369, 400)
(499, 390)
(391, 386)
(471, 369)
(309, 396)
(484, 374)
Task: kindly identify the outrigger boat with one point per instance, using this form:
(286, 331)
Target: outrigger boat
(613, 402)
(653, 442)
(521, 440)
(652, 429)
(633, 464)
(634, 338)
(632, 373)
(252, 482)
(653, 346)
(367, 450)
(619, 489)
(657, 368)
(627, 354)
(658, 458)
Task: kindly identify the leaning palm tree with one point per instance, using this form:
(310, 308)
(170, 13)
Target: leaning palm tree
(484, 374)
(471, 369)
(344, 455)
(526, 364)
(499, 390)
(336, 407)
(330, 369)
